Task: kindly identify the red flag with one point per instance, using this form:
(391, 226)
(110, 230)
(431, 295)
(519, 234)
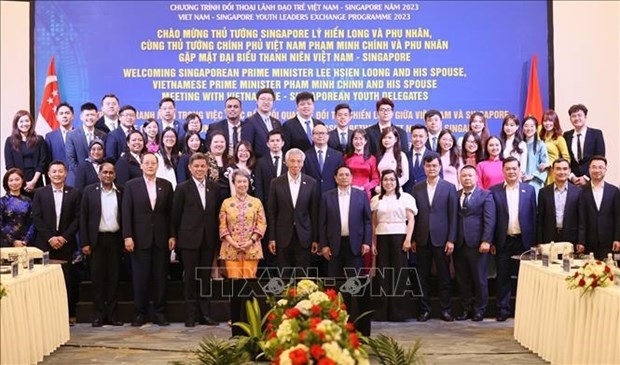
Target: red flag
(46, 120)
(534, 103)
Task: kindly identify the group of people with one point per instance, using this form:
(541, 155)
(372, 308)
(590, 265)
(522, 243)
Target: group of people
(296, 195)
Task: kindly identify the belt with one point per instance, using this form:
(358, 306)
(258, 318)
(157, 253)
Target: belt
(514, 235)
(559, 230)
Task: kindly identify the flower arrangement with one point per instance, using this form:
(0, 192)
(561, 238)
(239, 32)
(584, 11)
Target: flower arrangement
(592, 274)
(310, 326)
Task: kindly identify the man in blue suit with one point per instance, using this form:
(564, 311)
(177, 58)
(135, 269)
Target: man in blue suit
(116, 143)
(321, 160)
(476, 225)
(297, 131)
(56, 139)
(419, 151)
(583, 143)
(515, 229)
(434, 235)
(78, 140)
(256, 128)
(344, 226)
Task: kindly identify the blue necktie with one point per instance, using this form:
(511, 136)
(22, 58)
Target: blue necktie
(308, 130)
(343, 140)
(321, 160)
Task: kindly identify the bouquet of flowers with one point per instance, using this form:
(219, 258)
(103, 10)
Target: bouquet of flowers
(309, 326)
(592, 274)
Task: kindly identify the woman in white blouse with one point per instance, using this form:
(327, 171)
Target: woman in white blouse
(390, 157)
(169, 155)
(513, 140)
(393, 214)
(450, 158)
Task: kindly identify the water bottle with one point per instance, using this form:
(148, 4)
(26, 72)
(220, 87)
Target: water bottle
(610, 261)
(533, 253)
(591, 259)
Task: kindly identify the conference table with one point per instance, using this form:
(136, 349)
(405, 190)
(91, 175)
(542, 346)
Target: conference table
(34, 319)
(560, 325)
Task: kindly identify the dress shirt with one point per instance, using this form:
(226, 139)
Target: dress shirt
(137, 157)
(64, 132)
(277, 164)
(417, 157)
(90, 134)
(58, 196)
(267, 120)
(512, 198)
(231, 134)
(294, 185)
(430, 190)
(110, 123)
(166, 124)
(307, 126)
(200, 185)
(126, 130)
(597, 193)
(109, 210)
(151, 188)
(582, 140)
(344, 201)
(559, 197)
(464, 194)
(343, 135)
(322, 155)
(434, 139)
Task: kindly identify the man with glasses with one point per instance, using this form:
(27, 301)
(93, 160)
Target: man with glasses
(321, 160)
(109, 108)
(116, 144)
(256, 128)
(385, 112)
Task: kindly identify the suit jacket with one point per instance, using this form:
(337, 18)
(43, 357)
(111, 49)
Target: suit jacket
(373, 134)
(44, 219)
(546, 225)
(417, 175)
(593, 145)
(116, 144)
(360, 230)
(127, 168)
(439, 219)
(332, 160)
(178, 126)
(86, 175)
(90, 213)
(477, 222)
(222, 126)
(193, 225)
(599, 227)
(294, 134)
(334, 139)
(264, 173)
(76, 146)
(57, 152)
(527, 214)
(100, 125)
(147, 226)
(283, 218)
(16, 158)
(255, 132)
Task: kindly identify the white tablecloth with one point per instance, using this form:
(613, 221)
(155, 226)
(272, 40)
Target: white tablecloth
(559, 325)
(34, 319)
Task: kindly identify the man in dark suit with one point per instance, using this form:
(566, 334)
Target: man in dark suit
(599, 215)
(78, 140)
(195, 230)
(344, 241)
(434, 126)
(116, 143)
(292, 216)
(147, 204)
(558, 208)
(269, 166)
(434, 235)
(56, 217)
(322, 161)
(231, 126)
(109, 108)
(417, 155)
(167, 113)
(101, 239)
(340, 137)
(256, 128)
(583, 143)
(56, 138)
(515, 229)
(297, 132)
(385, 111)
(476, 225)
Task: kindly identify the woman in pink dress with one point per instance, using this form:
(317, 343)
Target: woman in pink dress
(450, 159)
(363, 165)
(490, 171)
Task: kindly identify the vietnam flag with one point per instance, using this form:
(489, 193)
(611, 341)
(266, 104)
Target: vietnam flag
(534, 103)
(46, 120)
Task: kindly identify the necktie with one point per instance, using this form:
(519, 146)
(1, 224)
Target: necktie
(417, 160)
(579, 151)
(321, 160)
(275, 162)
(89, 137)
(434, 145)
(308, 130)
(268, 124)
(343, 140)
(466, 200)
(235, 137)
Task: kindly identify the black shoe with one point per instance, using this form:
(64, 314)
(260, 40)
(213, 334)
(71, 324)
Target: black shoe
(206, 320)
(502, 317)
(189, 323)
(424, 316)
(447, 316)
(138, 321)
(464, 316)
(161, 320)
(114, 322)
(97, 322)
(478, 317)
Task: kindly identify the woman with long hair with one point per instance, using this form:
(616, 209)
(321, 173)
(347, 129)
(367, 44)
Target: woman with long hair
(450, 159)
(362, 164)
(193, 123)
(218, 161)
(390, 157)
(245, 160)
(150, 129)
(26, 150)
(471, 149)
(128, 166)
(512, 140)
(537, 160)
(169, 155)
(16, 227)
(551, 134)
(192, 143)
(490, 171)
(478, 126)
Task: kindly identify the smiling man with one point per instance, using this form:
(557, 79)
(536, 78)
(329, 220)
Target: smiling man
(297, 132)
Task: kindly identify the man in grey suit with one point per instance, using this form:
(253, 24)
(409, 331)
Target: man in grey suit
(76, 146)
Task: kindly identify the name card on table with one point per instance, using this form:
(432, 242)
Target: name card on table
(31, 264)
(46, 258)
(15, 268)
(566, 263)
(545, 260)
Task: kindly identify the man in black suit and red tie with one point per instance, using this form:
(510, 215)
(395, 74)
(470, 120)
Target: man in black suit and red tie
(56, 218)
(297, 132)
(195, 212)
(599, 215)
(583, 143)
(147, 204)
(256, 128)
(292, 215)
(340, 136)
(101, 239)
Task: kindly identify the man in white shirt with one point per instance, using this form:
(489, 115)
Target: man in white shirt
(256, 127)
(110, 109)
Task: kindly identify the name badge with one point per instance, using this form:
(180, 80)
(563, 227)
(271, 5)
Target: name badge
(46, 258)
(31, 264)
(15, 268)
(566, 265)
(545, 260)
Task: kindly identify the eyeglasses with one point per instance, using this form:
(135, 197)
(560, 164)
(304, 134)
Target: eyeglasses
(385, 110)
(319, 133)
(128, 115)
